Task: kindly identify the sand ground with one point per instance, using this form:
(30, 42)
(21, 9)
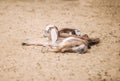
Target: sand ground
(26, 19)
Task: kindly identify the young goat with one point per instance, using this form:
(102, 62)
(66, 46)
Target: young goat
(69, 43)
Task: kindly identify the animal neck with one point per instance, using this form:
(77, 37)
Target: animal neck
(54, 36)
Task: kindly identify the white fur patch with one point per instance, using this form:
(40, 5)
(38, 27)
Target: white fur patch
(77, 32)
(54, 36)
(82, 48)
(66, 40)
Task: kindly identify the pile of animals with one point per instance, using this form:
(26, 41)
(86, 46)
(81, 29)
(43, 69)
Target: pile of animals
(65, 40)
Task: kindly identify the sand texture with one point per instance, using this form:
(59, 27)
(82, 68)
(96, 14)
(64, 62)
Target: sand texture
(21, 20)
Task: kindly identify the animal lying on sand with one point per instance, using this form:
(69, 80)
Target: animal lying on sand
(65, 40)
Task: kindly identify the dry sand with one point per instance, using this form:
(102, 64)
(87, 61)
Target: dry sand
(26, 19)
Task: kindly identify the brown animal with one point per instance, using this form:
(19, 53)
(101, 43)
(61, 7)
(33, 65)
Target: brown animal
(70, 43)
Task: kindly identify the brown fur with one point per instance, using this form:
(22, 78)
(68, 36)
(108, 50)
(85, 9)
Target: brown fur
(69, 43)
(68, 30)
